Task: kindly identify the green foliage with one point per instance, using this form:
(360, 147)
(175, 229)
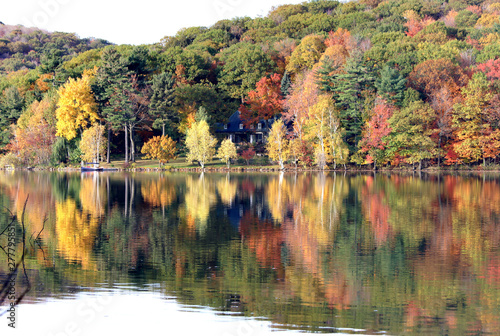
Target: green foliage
(244, 65)
(391, 85)
(162, 99)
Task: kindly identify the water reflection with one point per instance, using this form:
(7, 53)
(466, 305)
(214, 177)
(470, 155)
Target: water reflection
(319, 252)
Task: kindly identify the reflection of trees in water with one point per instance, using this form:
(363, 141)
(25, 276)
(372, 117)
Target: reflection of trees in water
(200, 197)
(423, 252)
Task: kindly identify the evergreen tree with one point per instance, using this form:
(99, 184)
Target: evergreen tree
(350, 88)
(111, 91)
(391, 85)
(162, 99)
(286, 84)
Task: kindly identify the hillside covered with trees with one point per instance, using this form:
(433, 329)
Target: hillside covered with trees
(386, 83)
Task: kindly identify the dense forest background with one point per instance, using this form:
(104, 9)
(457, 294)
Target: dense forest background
(361, 82)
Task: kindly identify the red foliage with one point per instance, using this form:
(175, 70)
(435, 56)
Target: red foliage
(264, 102)
(490, 68)
(377, 127)
(451, 156)
(248, 154)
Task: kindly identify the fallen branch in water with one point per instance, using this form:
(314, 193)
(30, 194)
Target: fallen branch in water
(13, 271)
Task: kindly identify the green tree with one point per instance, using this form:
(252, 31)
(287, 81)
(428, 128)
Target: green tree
(350, 88)
(162, 99)
(244, 65)
(391, 85)
(411, 134)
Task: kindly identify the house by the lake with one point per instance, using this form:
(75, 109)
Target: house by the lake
(235, 130)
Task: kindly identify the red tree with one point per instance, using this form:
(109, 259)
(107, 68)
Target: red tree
(248, 154)
(376, 129)
(264, 102)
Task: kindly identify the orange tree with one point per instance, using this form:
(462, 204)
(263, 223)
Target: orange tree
(161, 148)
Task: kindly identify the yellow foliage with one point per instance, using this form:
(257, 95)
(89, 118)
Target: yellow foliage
(227, 151)
(161, 148)
(306, 54)
(76, 106)
(200, 143)
(487, 20)
(227, 190)
(200, 197)
(76, 232)
(93, 144)
(158, 192)
(93, 195)
(490, 38)
(278, 146)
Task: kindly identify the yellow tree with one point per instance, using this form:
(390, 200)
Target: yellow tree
(278, 146)
(200, 143)
(93, 144)
(76, 107)
(161, 148)
(316, 128)
(227, 151)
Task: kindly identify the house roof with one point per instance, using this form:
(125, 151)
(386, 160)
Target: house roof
(233, 124)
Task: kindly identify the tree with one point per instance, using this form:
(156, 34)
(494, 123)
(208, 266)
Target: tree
(248, 154)
(391, 85)
(93, 143)
(430, 76)
(244, 64)
(376, 129)
(162, 99)
(470, 120)
(265, 102)
(303, 96)
(34, 134)
(112, 85)
(306, 54)
(161, 148)
(76, 106)
(351, 88)
(277, 144)
(316, 128)
(411, 134)
(227, 151)
(200, 143)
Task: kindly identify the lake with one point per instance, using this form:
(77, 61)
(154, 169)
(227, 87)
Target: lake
(253, 254)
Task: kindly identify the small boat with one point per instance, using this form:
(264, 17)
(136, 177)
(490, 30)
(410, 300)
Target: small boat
(90, 167)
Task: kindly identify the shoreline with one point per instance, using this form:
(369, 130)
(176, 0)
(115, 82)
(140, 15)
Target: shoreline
(263, 170)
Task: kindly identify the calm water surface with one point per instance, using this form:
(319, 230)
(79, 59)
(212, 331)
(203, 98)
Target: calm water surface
(252, 254)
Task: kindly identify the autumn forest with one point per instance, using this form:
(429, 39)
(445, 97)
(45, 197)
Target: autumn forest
(363, 83)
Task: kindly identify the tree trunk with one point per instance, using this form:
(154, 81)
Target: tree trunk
(484, 162)
(109, 148)
(420, 165)
(126, 143)
(132, 144)
(163, 129)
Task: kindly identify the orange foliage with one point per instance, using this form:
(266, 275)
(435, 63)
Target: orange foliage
(433, 75)
(340, 37)
(264, 239)
(264, 102)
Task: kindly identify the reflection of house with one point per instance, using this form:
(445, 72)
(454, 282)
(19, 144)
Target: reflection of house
(235, 130)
